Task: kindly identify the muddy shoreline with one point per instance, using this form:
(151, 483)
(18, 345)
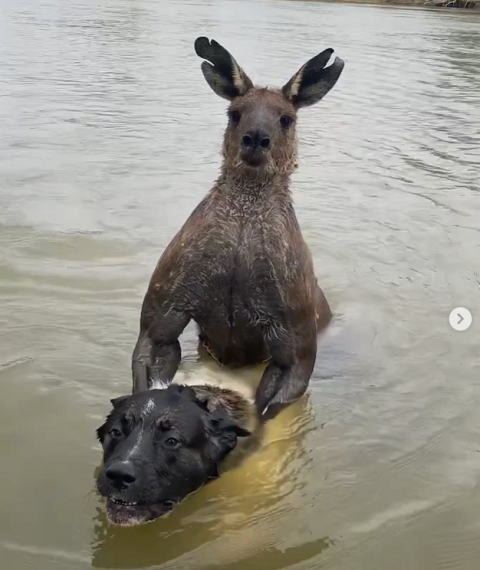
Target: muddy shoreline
(428, 4)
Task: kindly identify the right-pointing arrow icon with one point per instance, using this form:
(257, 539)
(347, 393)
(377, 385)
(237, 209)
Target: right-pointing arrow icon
(460, 319)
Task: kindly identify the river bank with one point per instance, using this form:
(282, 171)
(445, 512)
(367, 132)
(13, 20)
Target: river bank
(448, 4)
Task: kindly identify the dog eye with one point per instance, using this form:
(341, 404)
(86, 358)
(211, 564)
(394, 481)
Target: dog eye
(285, 121)
(171, 442)
(115, 433)
(235, 117)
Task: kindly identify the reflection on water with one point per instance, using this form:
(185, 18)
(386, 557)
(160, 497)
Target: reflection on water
(110, 137)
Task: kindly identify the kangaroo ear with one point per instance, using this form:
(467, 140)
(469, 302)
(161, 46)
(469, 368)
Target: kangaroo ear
(226, 78)
(313, 80)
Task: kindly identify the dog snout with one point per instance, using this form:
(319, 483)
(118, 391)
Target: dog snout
(121, 473)
(254, 139)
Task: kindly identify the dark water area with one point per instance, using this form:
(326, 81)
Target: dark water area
(109, 137)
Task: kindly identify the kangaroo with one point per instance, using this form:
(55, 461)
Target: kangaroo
(239, 267)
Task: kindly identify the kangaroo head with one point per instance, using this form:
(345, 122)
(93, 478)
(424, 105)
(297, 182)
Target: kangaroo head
(261, 135)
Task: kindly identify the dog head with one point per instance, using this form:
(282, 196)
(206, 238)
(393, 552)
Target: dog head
(159, 446)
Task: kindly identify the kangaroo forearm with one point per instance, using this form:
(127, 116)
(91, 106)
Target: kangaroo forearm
(154, 366)
(166, 350)
(282, 385)
(157, 354)
(166, 359)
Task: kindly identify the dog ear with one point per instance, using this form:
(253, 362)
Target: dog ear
(313, 80)
(226, 78)
(204, 400)
(116, 402)
(224, 423)
(197, 396)
(101, 431)
(225, 432)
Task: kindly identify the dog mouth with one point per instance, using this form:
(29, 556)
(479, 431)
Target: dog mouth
(126, 513)
(124, 503)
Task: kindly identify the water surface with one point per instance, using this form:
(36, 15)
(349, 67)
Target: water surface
(109, 138)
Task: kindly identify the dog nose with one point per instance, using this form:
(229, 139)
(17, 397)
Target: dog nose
(121, 472)
(254, 139)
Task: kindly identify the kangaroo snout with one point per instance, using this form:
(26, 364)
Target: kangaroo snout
(255, 146)
(256, 138)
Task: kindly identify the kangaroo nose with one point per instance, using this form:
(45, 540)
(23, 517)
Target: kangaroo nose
(254, 139)
(122, 473)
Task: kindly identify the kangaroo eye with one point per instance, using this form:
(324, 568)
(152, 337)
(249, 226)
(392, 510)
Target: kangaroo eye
(285, 121)
(235, 117)
(171, 442)
(115, 433)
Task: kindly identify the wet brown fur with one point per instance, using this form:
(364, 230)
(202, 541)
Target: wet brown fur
(239, 266)
(243, 414)
(230, 401)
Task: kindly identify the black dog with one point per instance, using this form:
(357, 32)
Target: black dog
(161, 445)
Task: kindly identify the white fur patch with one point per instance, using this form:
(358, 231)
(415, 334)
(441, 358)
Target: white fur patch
(243, 382)
(135, 448)
(237, 78)
(148, 407)
(295, 86)
(158, 385)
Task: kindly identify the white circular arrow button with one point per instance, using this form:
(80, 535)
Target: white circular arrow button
(460, 319)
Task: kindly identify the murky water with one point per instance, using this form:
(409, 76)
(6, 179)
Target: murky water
(109, 136)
